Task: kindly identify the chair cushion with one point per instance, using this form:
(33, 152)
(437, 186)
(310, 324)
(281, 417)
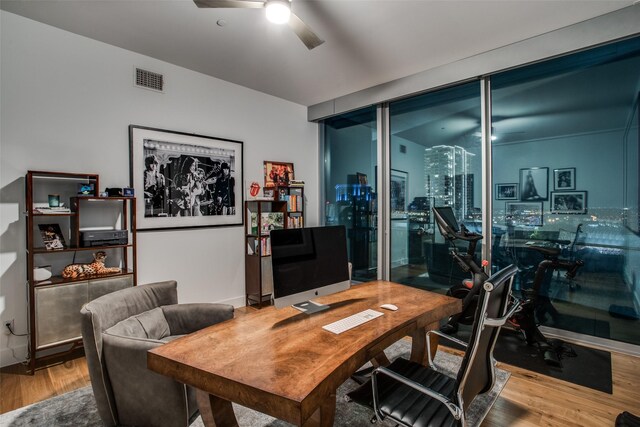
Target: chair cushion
(150, 324)
(406, 404)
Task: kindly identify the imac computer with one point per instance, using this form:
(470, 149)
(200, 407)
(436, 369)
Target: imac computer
(307, 263)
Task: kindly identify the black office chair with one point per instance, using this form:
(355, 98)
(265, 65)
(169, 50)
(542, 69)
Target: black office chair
(412, 394)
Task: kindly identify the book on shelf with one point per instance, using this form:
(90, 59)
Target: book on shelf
(296, 183)
(252, 224)
(293, 202)
(51, 211)
(259, 246)
(295, 222)
(265, 246)
(271, 221)
(52, 236)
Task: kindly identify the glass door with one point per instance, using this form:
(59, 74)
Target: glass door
(350, 187)
(435, 160)
(565, 169)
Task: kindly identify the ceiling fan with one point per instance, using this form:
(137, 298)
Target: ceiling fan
(278, 11)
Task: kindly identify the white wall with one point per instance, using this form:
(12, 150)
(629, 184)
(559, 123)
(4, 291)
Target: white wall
(66, 103)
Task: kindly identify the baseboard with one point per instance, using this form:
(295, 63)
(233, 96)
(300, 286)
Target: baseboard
(591, 341)
(235, 301)
(12, 356)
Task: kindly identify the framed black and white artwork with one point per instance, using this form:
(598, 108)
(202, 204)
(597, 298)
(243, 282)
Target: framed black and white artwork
(185, 180)
(534, 184)
(399, 184)
(506, 191)
(569, 202)
(564, 179)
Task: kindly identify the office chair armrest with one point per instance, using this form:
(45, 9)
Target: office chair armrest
(500, 321)
(445, 336)
(452, 407)
(448, 337)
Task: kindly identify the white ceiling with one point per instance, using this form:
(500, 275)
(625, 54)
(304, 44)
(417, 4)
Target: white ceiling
(368, 42)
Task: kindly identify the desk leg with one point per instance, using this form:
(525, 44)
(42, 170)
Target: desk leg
(215, 412)
(324, 415)
(419, 344)
(380, 359)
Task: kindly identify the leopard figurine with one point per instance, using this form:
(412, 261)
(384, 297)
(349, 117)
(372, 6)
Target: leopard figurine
(79, 271)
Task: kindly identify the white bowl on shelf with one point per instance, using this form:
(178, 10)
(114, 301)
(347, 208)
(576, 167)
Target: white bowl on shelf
(42, 273)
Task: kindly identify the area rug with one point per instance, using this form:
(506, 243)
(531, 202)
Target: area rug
(78, 408)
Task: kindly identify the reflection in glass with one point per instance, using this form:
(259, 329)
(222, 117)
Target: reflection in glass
(435, 161)
(350, 147)
(574, 117)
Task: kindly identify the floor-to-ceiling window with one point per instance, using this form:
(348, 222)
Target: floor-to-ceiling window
(350, 159)
(435, 160)
(565, 169)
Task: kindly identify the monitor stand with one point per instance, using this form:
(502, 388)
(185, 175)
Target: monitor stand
(309, 307)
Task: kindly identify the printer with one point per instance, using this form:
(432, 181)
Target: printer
(103, 238)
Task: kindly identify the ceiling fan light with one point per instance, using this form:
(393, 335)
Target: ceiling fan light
(278, 11)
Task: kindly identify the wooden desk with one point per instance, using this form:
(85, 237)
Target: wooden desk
(282, 363)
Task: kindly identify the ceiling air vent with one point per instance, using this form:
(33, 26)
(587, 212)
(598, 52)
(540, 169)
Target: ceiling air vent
(403, 148)
(149, 80)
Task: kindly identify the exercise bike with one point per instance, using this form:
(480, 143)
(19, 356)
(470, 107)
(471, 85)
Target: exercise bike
(468, 290)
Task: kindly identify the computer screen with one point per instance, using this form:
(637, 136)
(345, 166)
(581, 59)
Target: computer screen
(308, 262)
(446, 213)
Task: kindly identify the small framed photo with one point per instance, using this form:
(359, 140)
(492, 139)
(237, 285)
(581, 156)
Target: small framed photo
(269, 192)
(524, 213)
(534, 184)
(569, 202)
(362, 178)
(277, 174)
(564, 179)
(87, 189)
(52, 237)
(506, 191)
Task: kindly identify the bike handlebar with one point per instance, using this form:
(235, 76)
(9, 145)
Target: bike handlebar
(467, 235)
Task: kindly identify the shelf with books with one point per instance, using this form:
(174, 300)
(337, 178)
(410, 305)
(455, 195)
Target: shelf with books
(293, 196)
(262, 217)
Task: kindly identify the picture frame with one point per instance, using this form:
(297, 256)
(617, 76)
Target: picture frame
(185, 180)
(527, 214)
(507, 191)
(534, 184)
(362, 178)
(269, 193)
(398, 186)
(569, 202)
(277, 174)
(52, 237)
(564, 179)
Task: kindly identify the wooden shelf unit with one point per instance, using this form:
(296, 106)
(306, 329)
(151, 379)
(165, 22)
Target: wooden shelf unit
(55, 303)
(261, 217)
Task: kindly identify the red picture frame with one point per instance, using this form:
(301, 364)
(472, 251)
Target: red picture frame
(277, 174)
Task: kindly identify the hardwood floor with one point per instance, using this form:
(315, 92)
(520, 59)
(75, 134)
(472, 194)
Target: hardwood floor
(18, 388)
(529, 399)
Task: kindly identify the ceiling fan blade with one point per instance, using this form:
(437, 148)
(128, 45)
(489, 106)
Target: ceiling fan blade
(229, 3)
(308, 37)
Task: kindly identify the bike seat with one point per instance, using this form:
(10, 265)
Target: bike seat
(547, 249)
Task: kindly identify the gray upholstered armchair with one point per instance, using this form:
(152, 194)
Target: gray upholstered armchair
(118, 329)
